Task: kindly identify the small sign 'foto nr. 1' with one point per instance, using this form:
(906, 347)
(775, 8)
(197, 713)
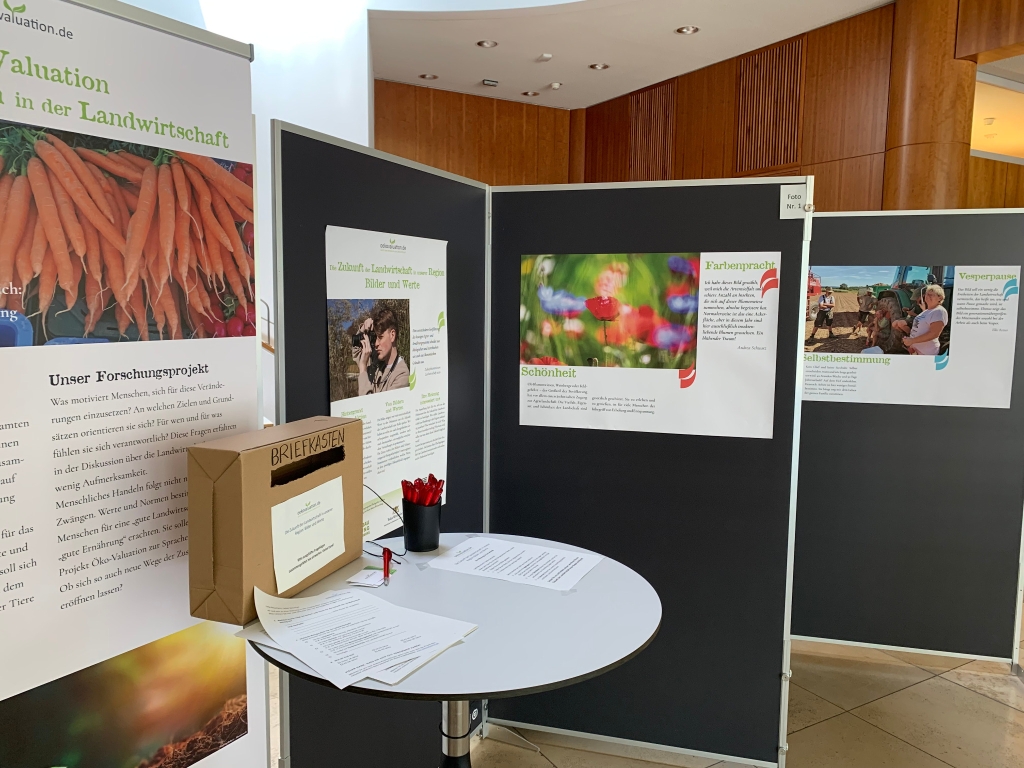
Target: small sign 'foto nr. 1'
(792, 201)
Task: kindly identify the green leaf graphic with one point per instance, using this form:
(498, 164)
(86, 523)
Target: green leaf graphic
(440, 321)
(412, 381)
(392, 239)
(19, 9)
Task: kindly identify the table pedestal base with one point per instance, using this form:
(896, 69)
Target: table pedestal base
(455, 730)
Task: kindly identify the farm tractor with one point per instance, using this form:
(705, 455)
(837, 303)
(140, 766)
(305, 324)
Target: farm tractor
(899, 300)
(813, 292)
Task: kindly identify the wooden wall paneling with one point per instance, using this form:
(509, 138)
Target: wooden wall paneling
(553, 156)
(849, 184)
(455, 122)
(652, 113)
(501, 148)
(1014, 197)
(768, 107)
(395, 125)
(546, 147)
(719, 131)
(608, 141)
(846, 87)
(577, 146)
(931, 106)
(498, 142)
(689, 129)
(986, 185)
(989, 30)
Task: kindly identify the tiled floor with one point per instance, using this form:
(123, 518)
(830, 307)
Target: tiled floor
(849, 708)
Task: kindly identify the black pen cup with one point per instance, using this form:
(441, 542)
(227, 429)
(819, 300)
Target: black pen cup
(422, 526)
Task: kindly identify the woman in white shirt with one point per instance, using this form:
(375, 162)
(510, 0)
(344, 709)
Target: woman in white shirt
(923, 337)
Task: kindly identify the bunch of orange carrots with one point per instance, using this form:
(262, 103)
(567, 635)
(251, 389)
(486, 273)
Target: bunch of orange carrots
(153, 238)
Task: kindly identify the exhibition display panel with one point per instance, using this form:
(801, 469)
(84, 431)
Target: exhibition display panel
(637, 347)
(703, 513)
(377, 213)
(912, 465)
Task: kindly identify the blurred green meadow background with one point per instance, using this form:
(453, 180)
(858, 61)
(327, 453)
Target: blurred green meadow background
(624, 310)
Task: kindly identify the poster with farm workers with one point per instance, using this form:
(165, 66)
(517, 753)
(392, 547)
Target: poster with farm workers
(127, 334)
(911, 334)
(387, 337)
(649, 342)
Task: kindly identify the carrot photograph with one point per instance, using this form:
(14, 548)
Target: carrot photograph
(108, 241)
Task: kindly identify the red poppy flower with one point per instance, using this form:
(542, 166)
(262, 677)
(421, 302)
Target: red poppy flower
(546, 361)
(604, 308)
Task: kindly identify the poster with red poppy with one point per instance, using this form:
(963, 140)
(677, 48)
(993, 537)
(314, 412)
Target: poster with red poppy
(612, 341)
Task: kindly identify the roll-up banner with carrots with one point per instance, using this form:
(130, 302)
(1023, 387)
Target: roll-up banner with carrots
(126, 216)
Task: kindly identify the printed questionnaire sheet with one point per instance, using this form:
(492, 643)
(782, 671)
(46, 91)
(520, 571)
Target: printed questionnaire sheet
(350, 635)
(520, 563)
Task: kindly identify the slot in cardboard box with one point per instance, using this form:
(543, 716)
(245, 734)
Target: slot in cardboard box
(234, 482)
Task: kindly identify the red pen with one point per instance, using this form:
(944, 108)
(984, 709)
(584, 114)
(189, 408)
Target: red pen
(387, 565)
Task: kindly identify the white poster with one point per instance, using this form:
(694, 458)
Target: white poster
(387, 336)
(650, 342)
(911, 335)
(127, 334)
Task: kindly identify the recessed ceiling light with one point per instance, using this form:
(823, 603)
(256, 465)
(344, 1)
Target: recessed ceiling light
(689, 29)
(530, 93)
(989, 120)
(491, 83)
(429, 77)
(487, 44)
(545, 57)
(599, 66)
(555, 86)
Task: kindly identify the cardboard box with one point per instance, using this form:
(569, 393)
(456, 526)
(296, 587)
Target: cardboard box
(232, 485)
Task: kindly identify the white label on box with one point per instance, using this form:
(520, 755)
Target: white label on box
(308, 532)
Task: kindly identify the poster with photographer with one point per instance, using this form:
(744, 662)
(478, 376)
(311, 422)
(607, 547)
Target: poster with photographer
(387, 341)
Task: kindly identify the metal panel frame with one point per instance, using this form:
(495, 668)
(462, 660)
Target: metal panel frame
(1014, 658)
(160, 23)
(277, 127)
(785, 673)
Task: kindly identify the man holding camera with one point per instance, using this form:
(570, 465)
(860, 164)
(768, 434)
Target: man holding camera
(379, 333)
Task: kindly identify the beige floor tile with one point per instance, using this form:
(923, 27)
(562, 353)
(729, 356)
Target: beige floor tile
(806, 709)
(575, 758)
(846, 742)
(853, 676)
(990, 679)
(930, 662)
(987, 667)
(837, 650)
(658, 757)
(488, 753)
(952, 723)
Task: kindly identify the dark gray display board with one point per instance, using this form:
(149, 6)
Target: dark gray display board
(704, 519)
(881, 559)
(320, 181)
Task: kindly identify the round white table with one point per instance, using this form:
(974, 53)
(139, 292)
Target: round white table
(528, 639)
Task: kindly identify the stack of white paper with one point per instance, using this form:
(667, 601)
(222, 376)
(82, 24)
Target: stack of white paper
(519, 563)
(349, 635)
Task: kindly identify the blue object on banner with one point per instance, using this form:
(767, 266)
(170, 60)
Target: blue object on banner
(75, 340)
(15, 330)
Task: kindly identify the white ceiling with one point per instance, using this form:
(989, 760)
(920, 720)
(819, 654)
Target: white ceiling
(1011, 69)
(635, 37)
